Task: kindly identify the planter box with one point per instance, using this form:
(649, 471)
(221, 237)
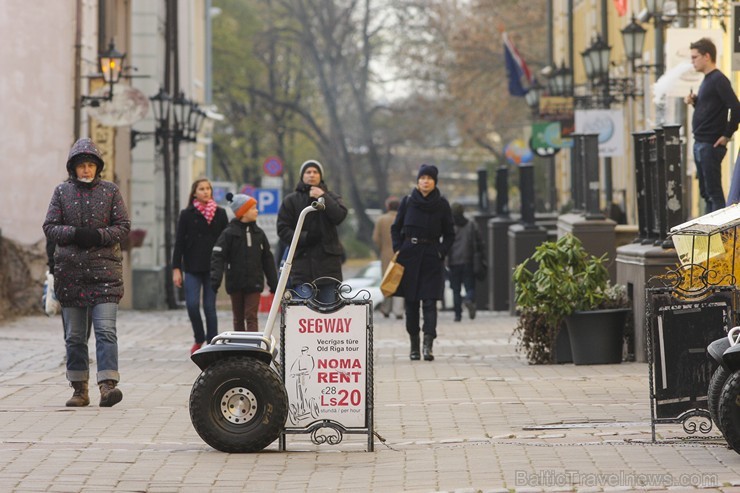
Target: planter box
(597, 336)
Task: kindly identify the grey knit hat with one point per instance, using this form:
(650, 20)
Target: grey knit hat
(240, 203)
(311, 163)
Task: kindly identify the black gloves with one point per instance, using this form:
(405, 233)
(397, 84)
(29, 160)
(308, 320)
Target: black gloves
(87, 237)
(215, 286)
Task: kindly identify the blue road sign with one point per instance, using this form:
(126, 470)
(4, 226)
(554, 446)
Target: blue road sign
(268, 200)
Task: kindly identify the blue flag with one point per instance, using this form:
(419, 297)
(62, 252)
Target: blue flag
(520, 78)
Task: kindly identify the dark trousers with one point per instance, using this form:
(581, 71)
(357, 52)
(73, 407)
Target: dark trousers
(244, 307)
(462, 275)
(429, 311)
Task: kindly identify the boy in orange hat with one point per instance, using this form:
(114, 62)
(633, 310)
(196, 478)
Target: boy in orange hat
(244, 250)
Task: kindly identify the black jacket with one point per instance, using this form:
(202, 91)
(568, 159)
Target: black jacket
(319, 252)
(195, 238)
(428, 220)
(243, 252)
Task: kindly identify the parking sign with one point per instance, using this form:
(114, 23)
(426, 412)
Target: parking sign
(268, 200)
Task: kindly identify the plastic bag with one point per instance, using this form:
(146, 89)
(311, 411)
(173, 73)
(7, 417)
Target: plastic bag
(49, 300)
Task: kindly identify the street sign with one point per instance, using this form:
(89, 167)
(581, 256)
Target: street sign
(268, 203)
(268, 200)
(273, 166)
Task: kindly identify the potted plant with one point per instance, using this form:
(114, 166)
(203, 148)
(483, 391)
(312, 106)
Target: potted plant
(561, 279)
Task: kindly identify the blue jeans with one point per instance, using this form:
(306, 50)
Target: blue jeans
(461, 275)
(708, 161)
(195, 282)
(106, 341)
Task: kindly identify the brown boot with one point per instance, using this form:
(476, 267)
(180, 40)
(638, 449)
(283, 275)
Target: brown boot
(109, 394)
(80, 398)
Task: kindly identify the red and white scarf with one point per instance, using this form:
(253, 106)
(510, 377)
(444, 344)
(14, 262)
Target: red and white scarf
(208, 209)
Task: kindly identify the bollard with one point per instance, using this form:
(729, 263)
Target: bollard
(577, 173)
(640, 150)
(651, 188)
(591, 184)
(526, 188)
(673, 178)
(502, 191)
(483, 204)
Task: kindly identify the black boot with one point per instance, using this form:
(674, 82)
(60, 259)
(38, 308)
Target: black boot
(414, 355)
(428, 341)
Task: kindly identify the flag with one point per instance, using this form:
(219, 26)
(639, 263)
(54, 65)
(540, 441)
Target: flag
(520, 78)
(621, 6)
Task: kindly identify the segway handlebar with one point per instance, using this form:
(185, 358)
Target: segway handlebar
(317, 205)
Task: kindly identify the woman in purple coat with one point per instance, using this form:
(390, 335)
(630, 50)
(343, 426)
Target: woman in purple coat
(87, 220)
(422, 235)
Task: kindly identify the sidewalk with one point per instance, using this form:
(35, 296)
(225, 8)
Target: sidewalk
(478, 418)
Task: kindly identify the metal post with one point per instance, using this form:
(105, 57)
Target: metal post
(659, 199)
(650, 184)
(526, 186)
(483, 203)
(502, 191)
(640, 142)
(576, 173)
(673, 176)
(591, 184)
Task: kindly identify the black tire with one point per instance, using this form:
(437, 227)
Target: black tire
(238, 405)
(729, 411)
(714, 392)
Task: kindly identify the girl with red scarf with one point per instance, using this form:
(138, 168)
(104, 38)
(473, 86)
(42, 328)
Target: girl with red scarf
(198, 228)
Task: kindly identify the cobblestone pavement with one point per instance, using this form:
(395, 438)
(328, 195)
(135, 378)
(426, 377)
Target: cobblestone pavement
(478, 418)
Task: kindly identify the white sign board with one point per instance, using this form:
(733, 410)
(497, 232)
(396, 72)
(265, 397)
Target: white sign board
(326, 365)
(608, 124)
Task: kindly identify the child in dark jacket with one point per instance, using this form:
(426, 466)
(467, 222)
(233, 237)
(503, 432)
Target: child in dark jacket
(243, 252)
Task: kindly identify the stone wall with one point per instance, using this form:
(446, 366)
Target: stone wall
(22, 273)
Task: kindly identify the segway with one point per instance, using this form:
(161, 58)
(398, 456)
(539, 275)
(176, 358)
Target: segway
(238, 403)
(723, 395)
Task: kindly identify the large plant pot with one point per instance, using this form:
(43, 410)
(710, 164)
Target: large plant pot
(563, 353)
(597, 336)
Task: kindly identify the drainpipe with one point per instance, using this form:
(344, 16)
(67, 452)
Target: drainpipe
(209, 81)
(78, 71)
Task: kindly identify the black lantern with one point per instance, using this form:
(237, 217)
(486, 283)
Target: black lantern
(599, 53)
(195, 120)
(111, 64)
(180, 110)
(654, 7)
(161, 105)
(533, 96)
(587, 64)
(633, 36)
(561, 82)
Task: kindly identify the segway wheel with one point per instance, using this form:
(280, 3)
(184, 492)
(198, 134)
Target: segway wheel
(729, 411)
(238, 405)
(714, 392)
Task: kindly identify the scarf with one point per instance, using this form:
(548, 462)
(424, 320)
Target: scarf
(208, 209)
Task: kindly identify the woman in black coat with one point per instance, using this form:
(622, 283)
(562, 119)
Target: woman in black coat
(198, 228)
(422, 234)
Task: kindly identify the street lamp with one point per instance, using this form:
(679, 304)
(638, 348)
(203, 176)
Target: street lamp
(561, 81)
(654, 7)
(633, 37)
(111, 66)
(161, 106)
(533, 96)
(599, 53)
